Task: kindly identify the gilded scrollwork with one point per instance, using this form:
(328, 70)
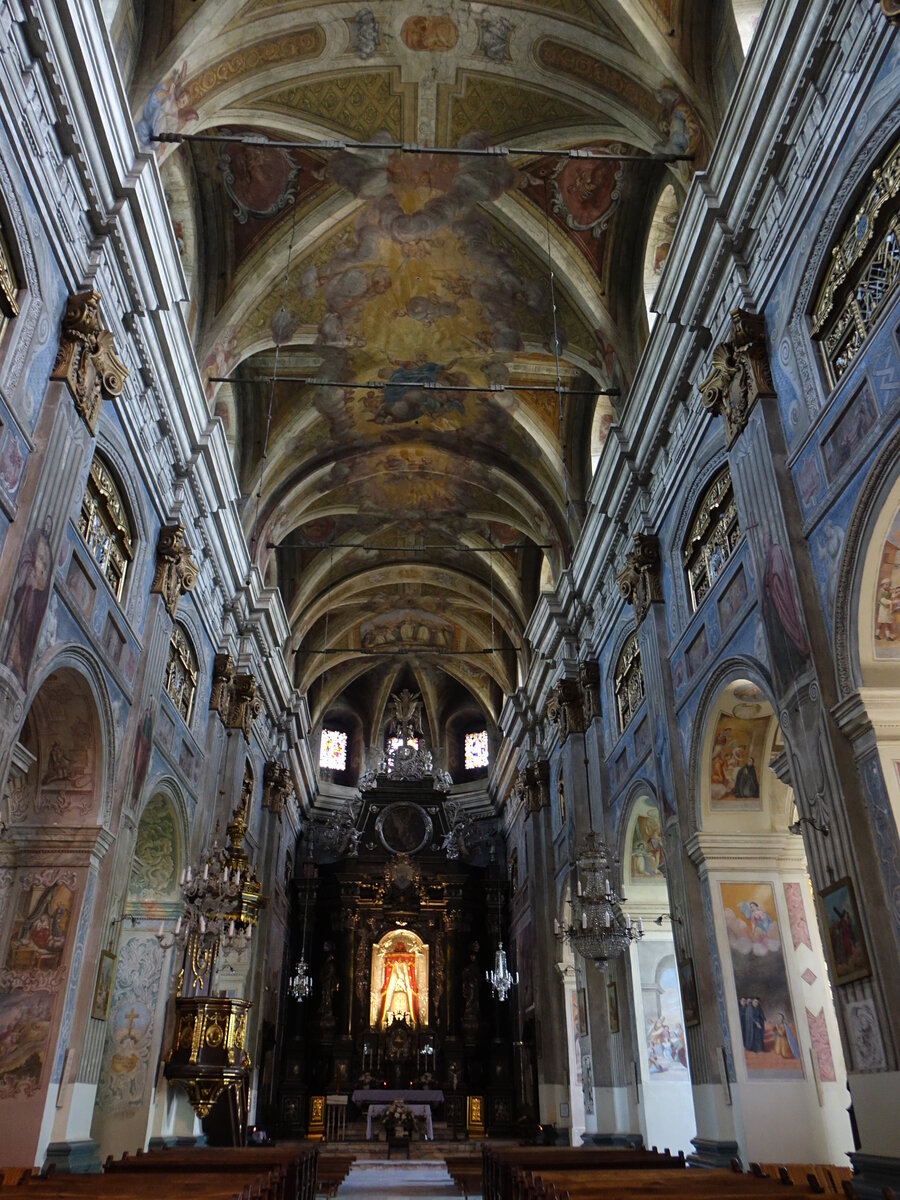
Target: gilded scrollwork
(176, 572)
(740, 373)
(86, 360)
(640, 583)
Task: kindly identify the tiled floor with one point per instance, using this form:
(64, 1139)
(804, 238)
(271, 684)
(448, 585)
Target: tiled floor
(376, 1179)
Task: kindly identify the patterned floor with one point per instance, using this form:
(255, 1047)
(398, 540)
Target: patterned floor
(376, 1179)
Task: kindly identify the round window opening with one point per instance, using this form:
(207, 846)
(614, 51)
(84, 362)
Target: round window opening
(404, 828)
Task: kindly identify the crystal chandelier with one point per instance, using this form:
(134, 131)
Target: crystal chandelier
(600, 930)
(501, 978)
(300, 983)
(221, 896)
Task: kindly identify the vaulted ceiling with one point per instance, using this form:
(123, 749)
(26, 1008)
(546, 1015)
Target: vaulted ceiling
(411, 498)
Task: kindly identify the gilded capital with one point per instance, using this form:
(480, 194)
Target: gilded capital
(641, 581)
(740, 373)
(222, 675)
(278, 787)
(891, 9)
(565, 708)
(86, 360)
(234, 696)
(176, 572)
(589, 679)
(537, 785)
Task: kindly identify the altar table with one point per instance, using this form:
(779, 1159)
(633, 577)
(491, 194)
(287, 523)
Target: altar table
(417, 1110)
(417, 1100)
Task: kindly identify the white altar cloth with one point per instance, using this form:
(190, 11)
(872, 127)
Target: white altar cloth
(417, 1110)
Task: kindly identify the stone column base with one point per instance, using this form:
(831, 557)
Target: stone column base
(626, 1141)
(173, 1141)
(710, 1153)
(873, 1173)
(74, 1158)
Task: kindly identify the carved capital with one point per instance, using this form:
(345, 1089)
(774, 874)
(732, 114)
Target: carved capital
(740, 373)
(176, 572)
(641, 581)
(223, 673)
(565, 708)
(86, 360)
(278, 787)
(589, 679)
(537, 786)
(891, 9)
(244, 704)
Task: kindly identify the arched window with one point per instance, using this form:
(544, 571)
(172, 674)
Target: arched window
(181, 672)
(105, 527)
(713, 535)
(333, 750)
(629, 681)
(864, 270)
(9, 287)
(476, 753)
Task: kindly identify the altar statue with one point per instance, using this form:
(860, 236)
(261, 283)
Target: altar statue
(399, 987)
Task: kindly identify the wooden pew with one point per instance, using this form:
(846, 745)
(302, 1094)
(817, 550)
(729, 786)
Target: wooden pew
(830, 1178)
(293, 1164)
(501, 1162)
(635, 1184)
(332, 1171)
(233, 1184)
(467, 1174)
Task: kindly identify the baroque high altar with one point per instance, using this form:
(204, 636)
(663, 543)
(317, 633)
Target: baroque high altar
(450, 484)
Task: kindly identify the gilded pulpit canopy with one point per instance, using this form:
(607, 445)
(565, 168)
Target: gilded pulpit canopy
(399, 990)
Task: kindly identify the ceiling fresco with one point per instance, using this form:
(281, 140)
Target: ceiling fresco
(411, 407)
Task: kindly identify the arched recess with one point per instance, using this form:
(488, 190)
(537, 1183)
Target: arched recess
(875, 636)
(666, 1102)
(138, 990)
(746, 17)
(399, 988)
(659, 241)
(55, 800)
(789, 1091)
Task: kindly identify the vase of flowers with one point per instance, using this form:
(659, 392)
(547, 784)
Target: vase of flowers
(398, 1121)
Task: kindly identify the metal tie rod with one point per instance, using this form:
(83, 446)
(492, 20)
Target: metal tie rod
(404, 650)
(304, 545)
(415, 148)
(409, 386)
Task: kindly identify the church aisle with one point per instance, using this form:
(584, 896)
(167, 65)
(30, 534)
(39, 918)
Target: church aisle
(377, 1179)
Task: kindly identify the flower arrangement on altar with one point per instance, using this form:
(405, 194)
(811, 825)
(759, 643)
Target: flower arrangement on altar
(398, 1121)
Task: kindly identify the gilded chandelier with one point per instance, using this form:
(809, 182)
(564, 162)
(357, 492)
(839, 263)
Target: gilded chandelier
(220, 897)
(600, 930)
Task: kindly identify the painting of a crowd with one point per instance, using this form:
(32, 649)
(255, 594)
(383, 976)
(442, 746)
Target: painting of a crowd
(765, 1012)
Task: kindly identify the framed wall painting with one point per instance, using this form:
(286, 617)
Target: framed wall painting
(106, 971)
(690, 1006)
(612, 1007)
(848, 958)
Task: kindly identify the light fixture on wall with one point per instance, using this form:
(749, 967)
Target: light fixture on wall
(676, 920)
(300, 983)
(797, 827)
(600, 930)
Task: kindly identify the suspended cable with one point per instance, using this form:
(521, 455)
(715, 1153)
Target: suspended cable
(383, 385)
(559, 403)
(244, 139)
(282, 311)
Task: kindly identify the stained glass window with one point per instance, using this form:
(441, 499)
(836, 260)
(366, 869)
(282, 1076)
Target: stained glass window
(181, 672)
(713, 536)
(397, 743)
(629, 681)
(475, 750)
(333, 751)
(104, 526)
(864, 271)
